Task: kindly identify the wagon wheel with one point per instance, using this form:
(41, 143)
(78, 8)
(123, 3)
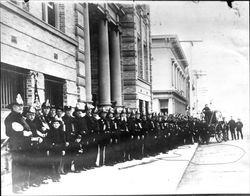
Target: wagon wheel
(218, 133)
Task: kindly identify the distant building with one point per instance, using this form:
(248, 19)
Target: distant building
(170, 75)
(77, 53)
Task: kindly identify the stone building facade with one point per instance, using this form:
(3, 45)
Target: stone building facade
(76, 53)
(171, 85)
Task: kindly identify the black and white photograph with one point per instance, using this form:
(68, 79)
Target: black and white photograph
(124, 97)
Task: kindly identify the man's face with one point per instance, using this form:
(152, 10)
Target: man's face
(46, 111)
(117, 116)
(138, 116)
(111, 115)
(31, 116)
(56, 124)
(59, 113)
(96, 116)
(53, 112)
(68, 112)
(144, 117)
(103, 114)
(79, 114)
(123, 115)
(38, 112)
(17, 108)
(88, 112)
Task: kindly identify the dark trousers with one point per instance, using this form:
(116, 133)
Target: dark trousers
(239, 132)
(233, 136)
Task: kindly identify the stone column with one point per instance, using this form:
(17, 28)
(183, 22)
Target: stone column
(87, 55)
(115, 68)
(175, 77)
(104, 67)
(170, 106)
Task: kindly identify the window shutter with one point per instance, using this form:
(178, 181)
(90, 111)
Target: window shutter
(43, 12)
(61, 17)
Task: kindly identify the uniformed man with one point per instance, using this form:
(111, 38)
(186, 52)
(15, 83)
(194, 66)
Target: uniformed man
(133, 139)
(125, 136)
(57, 144)
(45, 111)
(52, 114)
(150, 134)
(43, 120)
(203, 126)
(207, 112)
(35, 177)
(139, 136)
(70, 137)
(166, 133)
(224, 127)
(232, 126)
(239, 126)
(81, 128)
(91, 147)
(110, 131)
(145, 132)
(19, 134)
(103, 135)
(96, 135)
(117, 148)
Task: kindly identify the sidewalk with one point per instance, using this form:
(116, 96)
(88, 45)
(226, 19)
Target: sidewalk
(153, 175)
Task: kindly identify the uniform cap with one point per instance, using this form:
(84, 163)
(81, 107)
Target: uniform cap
(103, 110)
(89, 106)
(133, 112)
(143, 113)
(29, 110)
(111, 111)
(79, 108)
(67, 108)
(53, 107)
(18, 101)
(46, 104)
(137, 111)
(128, 111)
(59, 108)
(123, 111)
(95, 110)
(55, 120)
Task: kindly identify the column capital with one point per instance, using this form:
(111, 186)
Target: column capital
(106, 16)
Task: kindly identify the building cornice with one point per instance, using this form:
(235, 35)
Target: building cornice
(170, 92)
(175, 47)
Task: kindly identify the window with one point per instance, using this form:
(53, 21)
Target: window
(13, 82)
(146, 107)
(139, 52)
(164, 105)
(54, 90)
(145, 48)
(140, 106)
(50, 14)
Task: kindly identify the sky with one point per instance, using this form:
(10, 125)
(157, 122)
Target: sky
(223, 53)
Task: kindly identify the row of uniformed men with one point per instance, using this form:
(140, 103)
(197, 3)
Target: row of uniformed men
(52, 140)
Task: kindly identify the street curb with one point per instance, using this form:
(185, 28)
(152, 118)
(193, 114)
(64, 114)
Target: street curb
(197, 145)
